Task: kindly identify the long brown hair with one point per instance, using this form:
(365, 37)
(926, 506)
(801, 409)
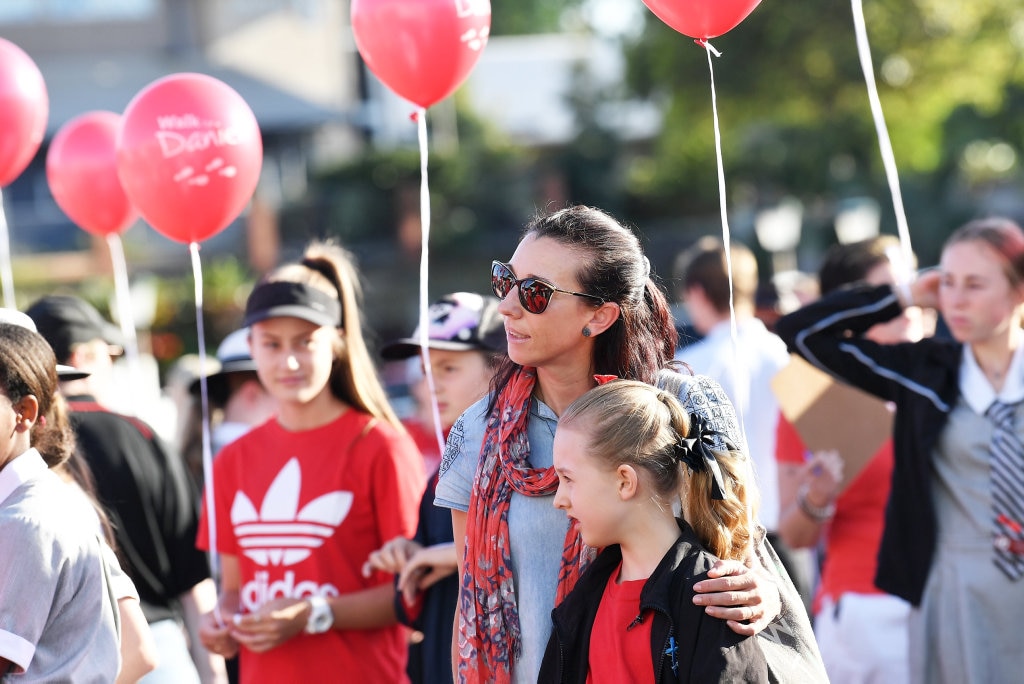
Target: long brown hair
(611, 266)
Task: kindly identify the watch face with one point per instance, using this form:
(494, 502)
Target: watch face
(320, 619)
(322, 622)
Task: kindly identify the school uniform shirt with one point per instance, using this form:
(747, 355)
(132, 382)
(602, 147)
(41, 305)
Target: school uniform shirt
(301, 511)
(685, 645)
(937, 546)
(923, 379)
(57, 622)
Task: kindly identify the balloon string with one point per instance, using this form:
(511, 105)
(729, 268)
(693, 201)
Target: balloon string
(204, 402)
(741, 384)
(884, 143)
(708, 46)
(424, 326)
(6, 274)
(122, 294)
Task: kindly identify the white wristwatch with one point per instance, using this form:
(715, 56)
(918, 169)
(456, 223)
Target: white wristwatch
(321, 617)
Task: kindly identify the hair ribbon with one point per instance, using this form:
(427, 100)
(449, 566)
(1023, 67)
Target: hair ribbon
(697, 452)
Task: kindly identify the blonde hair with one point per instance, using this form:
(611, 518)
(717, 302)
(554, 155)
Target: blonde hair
(329, 268)
(642, 426)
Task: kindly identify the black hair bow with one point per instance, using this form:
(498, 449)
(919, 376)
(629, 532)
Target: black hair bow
(697, 452)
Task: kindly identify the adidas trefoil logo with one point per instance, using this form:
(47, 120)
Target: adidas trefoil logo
(281, 534)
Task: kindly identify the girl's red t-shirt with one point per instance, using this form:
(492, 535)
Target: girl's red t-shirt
(620, 653)
(301, 511)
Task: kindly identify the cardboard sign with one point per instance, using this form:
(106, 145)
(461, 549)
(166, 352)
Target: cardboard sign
(830, 415)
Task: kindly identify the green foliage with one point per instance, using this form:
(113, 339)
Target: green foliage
(794, 110)
(226, 285)
(521, 17)
(478, 186)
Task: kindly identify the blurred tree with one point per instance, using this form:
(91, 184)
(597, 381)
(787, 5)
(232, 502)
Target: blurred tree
(529, 16)
(794, 110)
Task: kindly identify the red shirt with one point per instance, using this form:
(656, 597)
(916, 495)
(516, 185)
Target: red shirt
(855, 531)
(426, 441)
(301, 511)
(619, 653)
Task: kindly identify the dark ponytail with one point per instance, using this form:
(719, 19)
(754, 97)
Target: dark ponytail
(613, 267)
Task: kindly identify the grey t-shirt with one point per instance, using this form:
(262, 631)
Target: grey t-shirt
(56, 617)
(536, 528)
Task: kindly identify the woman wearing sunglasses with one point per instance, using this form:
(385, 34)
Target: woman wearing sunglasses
(578, 300)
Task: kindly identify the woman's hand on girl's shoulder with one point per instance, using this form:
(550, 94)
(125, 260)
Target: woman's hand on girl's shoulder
(748, 600)
(273, 624)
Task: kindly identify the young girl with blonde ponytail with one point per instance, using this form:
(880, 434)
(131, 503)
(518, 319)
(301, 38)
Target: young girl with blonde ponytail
(625, 452)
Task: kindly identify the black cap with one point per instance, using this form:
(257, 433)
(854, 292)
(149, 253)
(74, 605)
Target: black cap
(66, 321)
(15, 317)
(461, 321)
(295, 300)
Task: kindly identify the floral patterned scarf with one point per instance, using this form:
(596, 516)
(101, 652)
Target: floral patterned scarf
(489, 637)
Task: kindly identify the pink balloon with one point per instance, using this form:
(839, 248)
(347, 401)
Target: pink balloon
(24, 108)
(189, 155)
(81, 169)
(702, 19)
(421, 49)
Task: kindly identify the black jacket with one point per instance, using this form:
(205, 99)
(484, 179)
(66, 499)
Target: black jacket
(706, 649)
(922, 379)
(144, 489)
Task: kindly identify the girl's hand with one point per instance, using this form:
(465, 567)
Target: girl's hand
(216, 636)
(273, 624)
(734, 592)
(822, 475)
(924, 289)
(391, 557)
(426, 567)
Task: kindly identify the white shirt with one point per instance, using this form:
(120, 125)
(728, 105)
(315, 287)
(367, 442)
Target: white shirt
(20, 470)
(979, 393)
(745, 373)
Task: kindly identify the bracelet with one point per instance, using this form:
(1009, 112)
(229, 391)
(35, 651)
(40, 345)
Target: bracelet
(818, 514)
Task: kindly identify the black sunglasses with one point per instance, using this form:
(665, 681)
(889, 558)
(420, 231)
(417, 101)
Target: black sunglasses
(534, 294)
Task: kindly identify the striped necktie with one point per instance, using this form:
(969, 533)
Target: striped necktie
(1007, 482)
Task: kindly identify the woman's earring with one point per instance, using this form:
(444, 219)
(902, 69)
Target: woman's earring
(586, 331)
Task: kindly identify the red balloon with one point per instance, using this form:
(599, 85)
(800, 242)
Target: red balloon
(421, 49)
(702, 19)
(24, 107)
(189, 155)
(81, 169)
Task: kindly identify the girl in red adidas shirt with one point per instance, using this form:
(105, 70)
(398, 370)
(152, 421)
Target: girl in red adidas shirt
(624, 452)
(300, 501)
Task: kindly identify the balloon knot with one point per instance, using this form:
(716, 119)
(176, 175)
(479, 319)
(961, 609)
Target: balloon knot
(415, 116)
(708, 46)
